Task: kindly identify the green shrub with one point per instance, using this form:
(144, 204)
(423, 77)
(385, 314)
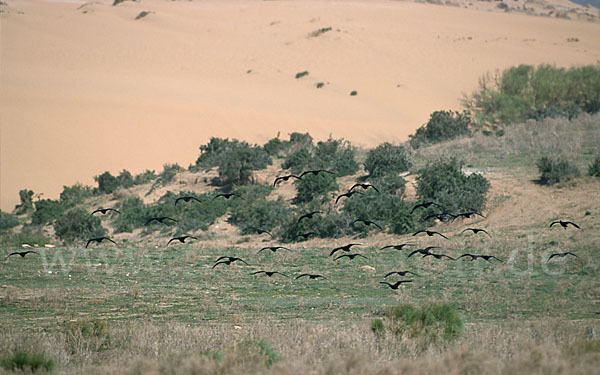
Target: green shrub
(336, 155)
(257, 351)
(26, 362)
(193, 215)
(383, 208)
(73, 195)
(387, 159)
(133, 214)
(318, 32)
(315, 186)
(390, 183)
(353, 93)
(78, 224)
(26, 205)
(7, 221)
(125, 179)
(330, 225)
(442, 126)
(301, 74)
(594, 168)
(259, 213)
(378, 328)
(444, 182)
(554, 171)
(29, 234)
(107, 183)
(433, 322)
(274, 146)
(85, 335)
(46, 211)
(144, 177)
(300, 140)
(525, 91)
(320, 85)
(298, 160)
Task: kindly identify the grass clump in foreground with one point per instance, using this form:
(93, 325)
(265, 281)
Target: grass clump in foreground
(555, 171)
(431, 324)
(594, 168)
(24, 361)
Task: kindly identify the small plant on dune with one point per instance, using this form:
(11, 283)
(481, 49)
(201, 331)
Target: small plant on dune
(144, 177)
(73, 195)
(387, 159)
(320, 85)
(107, 183)
(353, 93)
(301, 74)
(143, 14)
(442, 126)
(78, 224)
(125, 179)
(554, 171)
(27, 362)
(594, 168)
(313, 187)
(318, 32)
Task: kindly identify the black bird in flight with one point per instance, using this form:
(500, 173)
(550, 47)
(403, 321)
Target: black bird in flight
(400, 273)
(227, 195)
(345, 248)
(438, 256)
(304, 235)
(476, 230)
(397, 247)
(364, 187)
(441, 217)
(350, 256)
(311, 276)
(181, 239)
(315, 172)
(348, 195)
(474, 257)
(103, 211)
(187, 199)
(423, 251)
(425, 205)
(367, 222)
(228, 260)
(260, 231)
(309, 215)
(469, 214)
(430, 233)
(269, 273)
(564, 224)
(285, 178)
(396, 284)
(22, 253)
(160, 219)
(98, 240)
(273, 248)
(562, 255)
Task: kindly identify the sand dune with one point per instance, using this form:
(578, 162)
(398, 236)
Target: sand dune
(87, 88)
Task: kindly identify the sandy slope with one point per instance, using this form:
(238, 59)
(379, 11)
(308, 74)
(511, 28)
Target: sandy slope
(86, 88)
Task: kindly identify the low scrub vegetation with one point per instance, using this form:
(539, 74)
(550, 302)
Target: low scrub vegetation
(27, 363)
(553, 171)
(594, 168)
(7, 221)
(442, 126)
(77, 224)
(387, 159)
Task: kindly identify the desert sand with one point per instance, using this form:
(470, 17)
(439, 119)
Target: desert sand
(85, 87)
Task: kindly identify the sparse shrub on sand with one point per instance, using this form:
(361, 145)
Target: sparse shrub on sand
(387, 159)
(298, 160)
(313, 187)
(26, 204)
(557, 170)
(444, 182)
(301, 74)
(594, 168)
(7, 221)
(319, 32)
(76, 194)
(144, 177)
(143, 14)
(442, 126)
(107, 183)
(78, 224)
(125, 179)
(320, 85)
(353, 93)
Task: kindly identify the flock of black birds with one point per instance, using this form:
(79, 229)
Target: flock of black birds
(424, 252)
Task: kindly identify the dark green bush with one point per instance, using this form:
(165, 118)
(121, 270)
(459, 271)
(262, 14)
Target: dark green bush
(125, 179)
(107, 183)
(29, 234)
(300, 140)
(274, 146)
(312, 187)
(526, 91)
(554, 171)
(431, 322)
(301, 74)
(390, 184)
(594, 168)
(193, 215)
(336, 155)
(442, 126)
(444, 182)
(73, 195)
(298, 160)
(7, 221)
(383, 208)
(259, 351)
(328, 225)
(46, 211)
(259, 213)
(144, 177)
(133, 214)
(78, 224)
(387, 159)
(26, 205)
(26, 362)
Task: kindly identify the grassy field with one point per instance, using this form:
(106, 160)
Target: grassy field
(142, 307)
